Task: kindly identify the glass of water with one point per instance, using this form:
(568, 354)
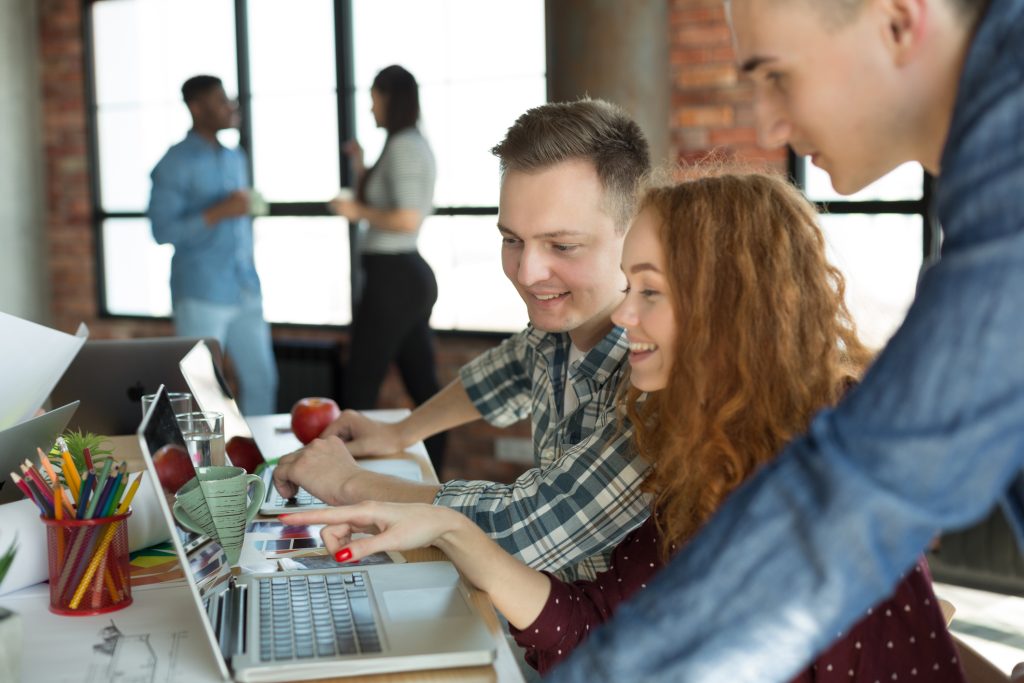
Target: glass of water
(181, 402)
(204, 437)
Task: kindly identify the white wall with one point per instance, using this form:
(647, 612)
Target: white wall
(23, 290)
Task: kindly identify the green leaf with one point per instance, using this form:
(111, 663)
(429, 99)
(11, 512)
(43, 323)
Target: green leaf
(76, 442)
(8, 559)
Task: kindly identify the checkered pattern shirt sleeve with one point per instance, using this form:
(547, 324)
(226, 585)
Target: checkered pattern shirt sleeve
(498, 382)
(567, 513)
(564, 517)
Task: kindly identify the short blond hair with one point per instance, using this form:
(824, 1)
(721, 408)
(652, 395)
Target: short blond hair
(591, 130)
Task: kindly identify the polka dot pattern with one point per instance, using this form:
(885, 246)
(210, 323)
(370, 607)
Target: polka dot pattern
(903, 638)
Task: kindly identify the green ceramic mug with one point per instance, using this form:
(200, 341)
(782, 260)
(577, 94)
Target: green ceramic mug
(220, 502)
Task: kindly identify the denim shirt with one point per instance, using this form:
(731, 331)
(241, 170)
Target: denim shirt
(930, 440)
(211, 263)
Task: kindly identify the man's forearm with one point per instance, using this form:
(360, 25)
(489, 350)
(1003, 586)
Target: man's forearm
(448, 408)
(367, 485)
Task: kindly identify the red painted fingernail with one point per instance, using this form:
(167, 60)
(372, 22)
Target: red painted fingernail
(343, 555)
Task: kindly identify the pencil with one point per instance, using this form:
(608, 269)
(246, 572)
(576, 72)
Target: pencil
(20, 483)
(101, 490)
(87, 454)
(116, 489)
(84, 494)
(70, 475)
(45, 462)
(123, 508)
(58, 514)
(37, 480)
(38, 497)
(94, 563)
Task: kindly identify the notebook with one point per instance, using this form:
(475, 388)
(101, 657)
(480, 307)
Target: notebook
(110, 377)
(22, 440)
(272, 436)
(305, 624)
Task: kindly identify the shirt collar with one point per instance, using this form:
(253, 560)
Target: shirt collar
(599, 363)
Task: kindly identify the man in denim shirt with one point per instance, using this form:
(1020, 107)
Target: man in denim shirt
(934, 435)
(200, 204)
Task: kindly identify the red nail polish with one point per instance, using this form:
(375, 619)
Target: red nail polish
(343, 555)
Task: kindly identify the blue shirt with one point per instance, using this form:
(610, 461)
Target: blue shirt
(930, 440)
(212, 263)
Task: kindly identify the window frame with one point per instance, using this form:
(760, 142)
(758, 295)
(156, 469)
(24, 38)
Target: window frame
(931, 238)
(346, 104)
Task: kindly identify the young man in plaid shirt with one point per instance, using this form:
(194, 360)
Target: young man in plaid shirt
(569, 177)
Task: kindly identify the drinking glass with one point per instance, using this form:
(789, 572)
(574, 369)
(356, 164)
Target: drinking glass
(204, 437)
(181, 402)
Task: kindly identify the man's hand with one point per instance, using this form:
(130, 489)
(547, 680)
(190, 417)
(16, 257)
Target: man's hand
(322, 468)
(363, 436)
(234, 205)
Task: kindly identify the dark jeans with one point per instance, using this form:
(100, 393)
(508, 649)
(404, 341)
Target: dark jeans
(392, 323)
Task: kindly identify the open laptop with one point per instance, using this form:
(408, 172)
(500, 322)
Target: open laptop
(305, 624)
(211, 393)
(22, 440)
(110, 377)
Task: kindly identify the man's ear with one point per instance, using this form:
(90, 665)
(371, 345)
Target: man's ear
(903, 24)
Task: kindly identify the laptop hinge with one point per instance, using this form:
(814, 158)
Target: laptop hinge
(229, 621)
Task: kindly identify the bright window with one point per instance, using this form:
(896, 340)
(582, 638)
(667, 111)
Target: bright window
(298, 90)
(877, 238)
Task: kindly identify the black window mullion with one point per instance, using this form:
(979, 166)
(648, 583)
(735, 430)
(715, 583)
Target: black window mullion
(93, 154)
(932, 230)
(244, 84)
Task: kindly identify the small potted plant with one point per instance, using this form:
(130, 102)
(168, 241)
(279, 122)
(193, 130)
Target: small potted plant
(10, 627)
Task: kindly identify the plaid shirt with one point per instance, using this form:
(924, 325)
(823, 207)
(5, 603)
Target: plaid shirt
(583, 495)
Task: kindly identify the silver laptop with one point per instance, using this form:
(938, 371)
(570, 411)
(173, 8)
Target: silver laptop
(111, 376)
(211, 393)
(22, 440)
(305, 624)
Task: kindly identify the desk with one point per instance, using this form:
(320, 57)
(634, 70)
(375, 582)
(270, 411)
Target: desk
(504, 668)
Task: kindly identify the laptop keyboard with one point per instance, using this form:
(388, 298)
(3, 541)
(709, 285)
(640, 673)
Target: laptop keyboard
(303, 497)
(321, 615)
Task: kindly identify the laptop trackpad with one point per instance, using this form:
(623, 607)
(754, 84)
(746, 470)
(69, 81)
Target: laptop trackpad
(421, 604)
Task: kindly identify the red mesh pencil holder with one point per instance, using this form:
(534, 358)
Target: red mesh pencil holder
(88, 562)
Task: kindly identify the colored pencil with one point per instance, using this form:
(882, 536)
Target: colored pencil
(128, 496)
(115, 496)
(87, 454)
(70, 478)
(84, 495)
(37, 480)
(45, 462)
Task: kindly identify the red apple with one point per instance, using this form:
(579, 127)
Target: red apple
(310, 416)
(243, 452)
(173, 467)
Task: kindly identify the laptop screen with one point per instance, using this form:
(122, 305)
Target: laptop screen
(206, 567)
(173, 468)
(210, 391)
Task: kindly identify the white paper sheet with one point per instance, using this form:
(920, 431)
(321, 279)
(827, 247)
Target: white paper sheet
(156, 639)
(146, 527)
(32, 359)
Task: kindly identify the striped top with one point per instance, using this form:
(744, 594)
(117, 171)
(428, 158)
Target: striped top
(403, 178)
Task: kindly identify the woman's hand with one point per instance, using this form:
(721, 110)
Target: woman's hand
(346, 208)
(517, 591)
(397, 526)
(354, 152)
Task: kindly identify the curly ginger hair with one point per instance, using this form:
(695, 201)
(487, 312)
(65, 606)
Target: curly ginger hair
(763, 340)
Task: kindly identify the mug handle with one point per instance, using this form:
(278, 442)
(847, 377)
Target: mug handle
(181, 515)
(257, 500)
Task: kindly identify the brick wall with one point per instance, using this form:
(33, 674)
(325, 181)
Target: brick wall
(710, 109)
